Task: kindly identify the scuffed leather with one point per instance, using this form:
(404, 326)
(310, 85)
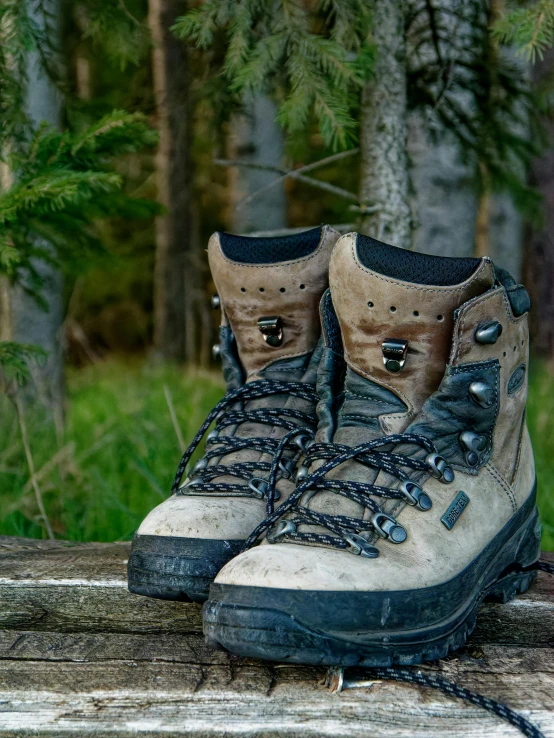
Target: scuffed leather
(202, 516)
(329, 379)
(450, 410)
(511, 350)
(245, 356)
(297, 306)
(430, 555)
(230, 364)
(365, 328)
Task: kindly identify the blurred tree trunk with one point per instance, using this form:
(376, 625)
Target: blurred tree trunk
(538, 265)
(499, 232)
(506, 234)
(22, 319)
(174, 274)
(254, 136)
(443, 194)
(384, 161)
(444, 201)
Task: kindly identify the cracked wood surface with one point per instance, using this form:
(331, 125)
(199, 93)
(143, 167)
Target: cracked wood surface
(81, 656)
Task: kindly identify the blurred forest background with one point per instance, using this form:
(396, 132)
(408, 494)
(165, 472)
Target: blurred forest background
(132, 129)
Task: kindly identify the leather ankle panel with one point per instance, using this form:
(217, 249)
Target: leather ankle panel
(372, 307)
(288, 290)
(511, 350)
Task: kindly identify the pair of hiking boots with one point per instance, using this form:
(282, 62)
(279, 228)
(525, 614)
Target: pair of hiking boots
(361, 493)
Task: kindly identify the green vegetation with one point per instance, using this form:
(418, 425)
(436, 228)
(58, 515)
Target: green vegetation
(120, 450)
(530, 29)
(117, 457)
(540, 416)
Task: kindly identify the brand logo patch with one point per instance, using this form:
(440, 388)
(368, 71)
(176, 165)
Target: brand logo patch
(516, 380)
(450, 517)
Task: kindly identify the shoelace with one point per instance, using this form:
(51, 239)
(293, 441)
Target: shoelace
(346, 531)
(452, 689)
(344, 527)
(298, 433)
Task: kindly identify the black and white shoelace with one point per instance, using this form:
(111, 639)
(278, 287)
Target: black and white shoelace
(347, 532)
(254, 478)
(426, 679)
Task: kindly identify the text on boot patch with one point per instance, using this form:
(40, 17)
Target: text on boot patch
(450, 517)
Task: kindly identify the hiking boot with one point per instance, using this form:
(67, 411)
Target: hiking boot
(418, 497)
(268, 291)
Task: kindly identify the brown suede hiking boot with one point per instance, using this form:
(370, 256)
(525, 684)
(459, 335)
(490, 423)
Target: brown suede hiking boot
(269, 291)
(417, 499)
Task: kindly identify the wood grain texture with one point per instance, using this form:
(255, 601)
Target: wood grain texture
(81, 656)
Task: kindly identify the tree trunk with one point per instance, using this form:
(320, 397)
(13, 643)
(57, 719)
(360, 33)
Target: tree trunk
(256, 137)
(174, 274)
(384, 161)
(506, 234)
(539, 247)
(444, 199)
(23, 320)
(500, 234)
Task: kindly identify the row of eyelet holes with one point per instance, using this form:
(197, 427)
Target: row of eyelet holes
(281, 289)
(415, 312)
(515, 348)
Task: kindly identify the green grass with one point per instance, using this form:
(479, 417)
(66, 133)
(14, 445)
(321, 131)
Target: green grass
(118, 456)
(120, 450)
(540, 417)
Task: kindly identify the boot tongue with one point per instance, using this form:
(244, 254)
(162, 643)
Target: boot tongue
(270, 290)
(396, 314)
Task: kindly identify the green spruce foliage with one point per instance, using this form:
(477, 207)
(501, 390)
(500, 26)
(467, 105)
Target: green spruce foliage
(314, 58)
(468, 86)
(314, 61)
(528, 27)
(56, 186)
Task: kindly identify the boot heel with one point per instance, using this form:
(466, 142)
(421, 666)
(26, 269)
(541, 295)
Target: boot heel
(508, 587)
(519, 577)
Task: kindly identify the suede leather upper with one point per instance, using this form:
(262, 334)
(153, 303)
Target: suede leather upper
(372, 307)
(290, 290)
(446, 358)
(210, 516)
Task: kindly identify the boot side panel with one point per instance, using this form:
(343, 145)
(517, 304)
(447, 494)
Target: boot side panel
(511, 349)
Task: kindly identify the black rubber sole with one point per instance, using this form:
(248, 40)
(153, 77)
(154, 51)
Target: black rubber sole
(373, 628)
(174, 568)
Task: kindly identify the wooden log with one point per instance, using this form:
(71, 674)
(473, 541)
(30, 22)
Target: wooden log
(67, 587)
(81, 656)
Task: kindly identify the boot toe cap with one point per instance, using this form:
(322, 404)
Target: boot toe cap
(229, 518)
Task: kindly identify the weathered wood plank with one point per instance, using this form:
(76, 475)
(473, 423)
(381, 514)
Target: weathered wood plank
(77, 608)
(67, 698)
(81, 656)
(48, 646)
(68, 587)
(61, 587)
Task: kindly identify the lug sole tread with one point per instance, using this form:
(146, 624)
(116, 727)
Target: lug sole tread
(181, 570)
(330, 651)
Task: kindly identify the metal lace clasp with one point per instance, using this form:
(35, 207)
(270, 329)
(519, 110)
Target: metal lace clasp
(271, 329)
(394, 354)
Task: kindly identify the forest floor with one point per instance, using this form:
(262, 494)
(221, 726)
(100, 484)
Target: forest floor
(120, 449)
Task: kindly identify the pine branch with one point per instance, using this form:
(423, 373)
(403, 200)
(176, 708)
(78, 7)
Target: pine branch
(464, 84)
(114, 30)
(292, 174)
(16, 358)
(530, 29)
(54, 191)
(301, 170)
(283, 45)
